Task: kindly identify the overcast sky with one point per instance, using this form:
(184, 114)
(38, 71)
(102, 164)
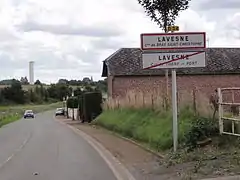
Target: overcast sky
(70, 38)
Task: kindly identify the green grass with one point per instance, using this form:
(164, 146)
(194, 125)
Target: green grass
(9, 119)
(10, 114)
(145, 125)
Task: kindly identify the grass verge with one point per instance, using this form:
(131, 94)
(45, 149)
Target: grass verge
(145, 125)
(154, 129)
(10, 114)
(202, 152)
(9, 119)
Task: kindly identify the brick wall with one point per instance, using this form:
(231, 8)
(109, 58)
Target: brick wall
(204, 83)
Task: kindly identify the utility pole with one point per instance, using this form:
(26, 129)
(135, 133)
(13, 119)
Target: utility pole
(67, 106)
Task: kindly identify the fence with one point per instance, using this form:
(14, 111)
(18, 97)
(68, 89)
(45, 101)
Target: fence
(193, 98)
(228, 110)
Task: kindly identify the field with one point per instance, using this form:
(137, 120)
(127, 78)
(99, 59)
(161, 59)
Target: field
(10, 114)
(27, 87)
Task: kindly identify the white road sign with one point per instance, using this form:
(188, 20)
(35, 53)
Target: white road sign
(170, 41)
(173, 60)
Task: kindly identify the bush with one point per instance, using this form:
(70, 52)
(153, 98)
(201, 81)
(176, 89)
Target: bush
(91, 105)
(81, 109)
(200, 129)
(72, 102)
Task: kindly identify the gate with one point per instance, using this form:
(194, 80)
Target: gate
(228, 110)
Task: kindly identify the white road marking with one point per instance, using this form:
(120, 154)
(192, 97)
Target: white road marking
(119, 171)
(16, 151)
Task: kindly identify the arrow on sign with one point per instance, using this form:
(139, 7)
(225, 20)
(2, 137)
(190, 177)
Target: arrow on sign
(173, 60)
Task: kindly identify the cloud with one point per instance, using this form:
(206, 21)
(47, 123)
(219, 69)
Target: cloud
(70, 40)
(219, 4)
(107, 43)
(92, 31)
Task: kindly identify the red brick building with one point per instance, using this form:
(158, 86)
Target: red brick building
(124, 72)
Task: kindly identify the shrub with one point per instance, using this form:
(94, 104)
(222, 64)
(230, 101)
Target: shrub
(200, 129)
(81, 109)
(72, 102)
(91, 105)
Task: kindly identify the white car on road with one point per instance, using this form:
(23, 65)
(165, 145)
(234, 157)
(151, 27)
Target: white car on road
(28, 114)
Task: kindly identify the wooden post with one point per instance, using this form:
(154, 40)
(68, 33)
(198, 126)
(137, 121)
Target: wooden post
(135, 99)
(118, 105)
(167, 89)
(152, 101)
(220, 101)
(143, 98)
(194, 101)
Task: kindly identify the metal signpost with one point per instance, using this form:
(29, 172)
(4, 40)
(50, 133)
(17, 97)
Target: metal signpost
(173, 41)
(172, 60)
(173, 51)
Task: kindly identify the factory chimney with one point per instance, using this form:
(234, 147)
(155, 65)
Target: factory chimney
(31, 72)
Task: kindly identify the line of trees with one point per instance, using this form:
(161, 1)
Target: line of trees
(85, 82)
(15, 94)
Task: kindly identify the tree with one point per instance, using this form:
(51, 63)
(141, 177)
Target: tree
(164, 12)
(7, 81)
(14, 93)
(32, 96)
(58, 91)
(89, 88)
(86, 81)
(102, 85)
(42, 91)
(38, 82)
(62, 81)
(46, 94)
(78, 91)
(74, 82)
(24, 80)
(1, 96)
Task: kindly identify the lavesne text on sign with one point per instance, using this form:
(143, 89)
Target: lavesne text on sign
(173, 41)
(173, 60)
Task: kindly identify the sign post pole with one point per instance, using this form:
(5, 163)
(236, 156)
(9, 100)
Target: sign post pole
(174, 107)
(174, 110)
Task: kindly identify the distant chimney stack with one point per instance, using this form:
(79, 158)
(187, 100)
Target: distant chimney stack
(31, 72)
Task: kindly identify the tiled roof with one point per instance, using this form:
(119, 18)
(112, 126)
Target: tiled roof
(128, 61)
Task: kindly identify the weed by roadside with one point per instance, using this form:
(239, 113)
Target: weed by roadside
(145, 125)
(220, 158)
(9, 119)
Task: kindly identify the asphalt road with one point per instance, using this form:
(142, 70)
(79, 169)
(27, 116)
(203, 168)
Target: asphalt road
(43, 149)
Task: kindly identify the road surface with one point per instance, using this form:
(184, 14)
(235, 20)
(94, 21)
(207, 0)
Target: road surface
(43, 149)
